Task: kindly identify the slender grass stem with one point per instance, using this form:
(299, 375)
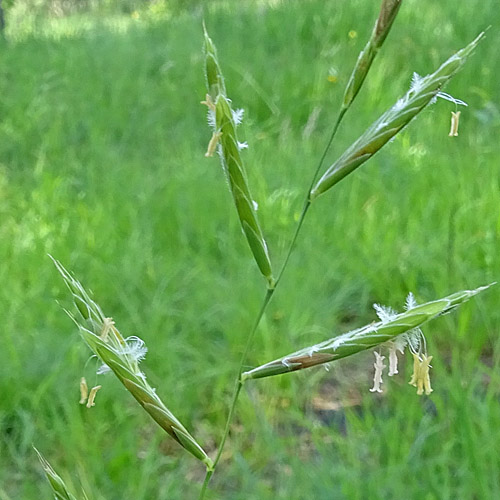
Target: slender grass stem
(239, 384)
(208, 476)
(265, 303)
(307, 200)
(307, 204)
(340, 116)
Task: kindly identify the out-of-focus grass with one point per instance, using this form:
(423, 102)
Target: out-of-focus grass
(101, 164)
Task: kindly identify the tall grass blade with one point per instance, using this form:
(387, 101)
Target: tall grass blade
(363, 338)
(122, 357)
(224, 121)
(422, 92)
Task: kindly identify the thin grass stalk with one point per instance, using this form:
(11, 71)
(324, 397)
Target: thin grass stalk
(57, 484)
(215, 84)
(388, 12)
(122, 357)
(363, 338)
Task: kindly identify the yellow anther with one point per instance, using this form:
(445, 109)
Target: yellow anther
(455, 117)
(212, 145)
(84, 391)
(393, 360)
(416, 364)
(209, 103)
(420, 377)
(92, 395)
(107, 326)
(379, 368)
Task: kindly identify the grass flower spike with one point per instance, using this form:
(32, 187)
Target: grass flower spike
(224, 120)
(122, 356)
(367, 337)
(422, 92)
(388, 12)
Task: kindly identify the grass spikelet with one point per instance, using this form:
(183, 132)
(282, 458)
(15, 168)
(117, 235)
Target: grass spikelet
(422, 92)
(225, 121)
(122, 356)
(388, 12)
(57, 484)
(363, 338)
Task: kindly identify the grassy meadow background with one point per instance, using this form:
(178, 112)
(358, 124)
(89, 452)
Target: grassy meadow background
(102, 138)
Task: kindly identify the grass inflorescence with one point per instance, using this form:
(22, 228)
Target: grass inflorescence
(101, 164)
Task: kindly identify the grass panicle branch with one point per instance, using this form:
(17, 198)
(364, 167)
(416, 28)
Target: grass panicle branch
(388, 12)
(57, 484)
(422, 92)
(224, 121)
(122, 357)
(363, 338)
(221, 115)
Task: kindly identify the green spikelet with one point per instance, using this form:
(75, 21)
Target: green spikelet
(122, 356)
(225, 138)
(388, 12)
(363, 338)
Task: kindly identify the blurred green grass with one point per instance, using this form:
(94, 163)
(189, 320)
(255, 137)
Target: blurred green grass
(101, 164)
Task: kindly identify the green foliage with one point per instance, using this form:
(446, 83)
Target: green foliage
(101, 163)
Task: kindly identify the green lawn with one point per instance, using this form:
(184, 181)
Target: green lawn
(102, 142)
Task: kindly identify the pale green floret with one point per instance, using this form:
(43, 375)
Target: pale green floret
(213, 74)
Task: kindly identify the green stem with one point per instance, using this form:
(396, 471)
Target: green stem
(340, 116)
(265, 303)
(307, 204)
(208, 476)
(307, 200)
(236, 393)
(239, 383)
